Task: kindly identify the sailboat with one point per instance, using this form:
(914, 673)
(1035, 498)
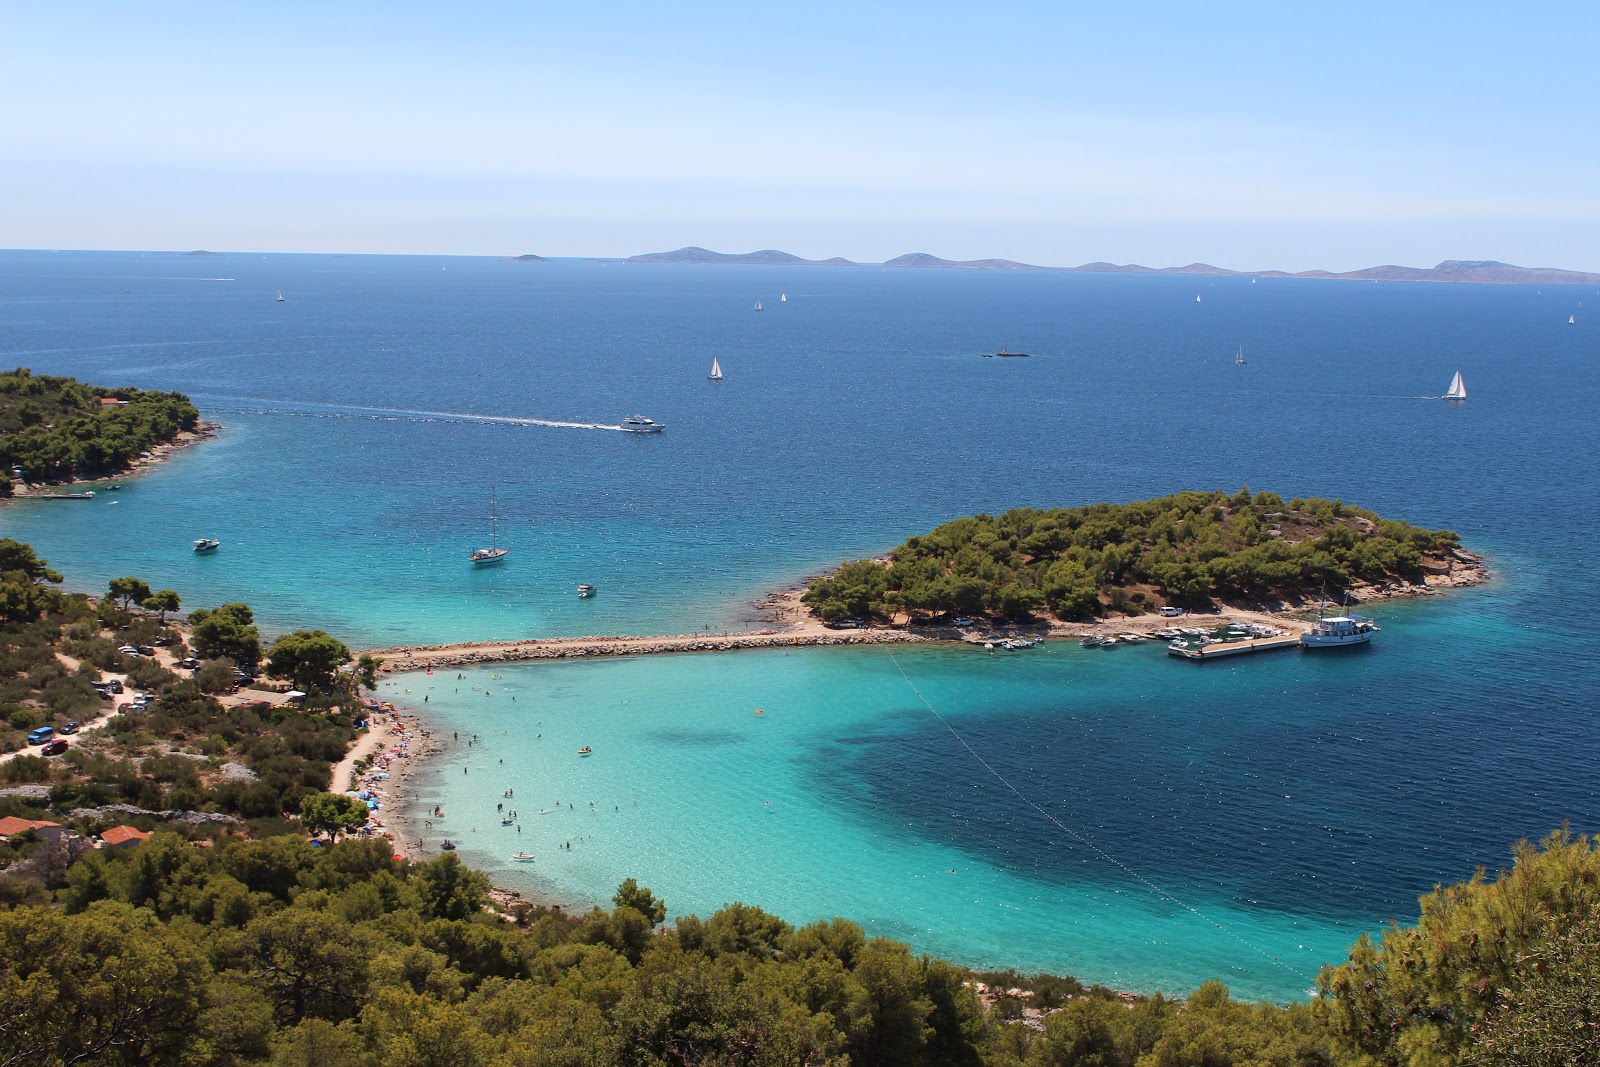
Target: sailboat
(758, 305)
(783, 298)
(280, 296)
(1458, 388)
(1197, 298)
(716, 370)
(494, 553)
(1572, 320)
(1239, 360)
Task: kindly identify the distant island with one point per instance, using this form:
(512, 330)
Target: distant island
(202, 252)
(1480, 271)
(1186, 550)
(766, 257)
(527, 257)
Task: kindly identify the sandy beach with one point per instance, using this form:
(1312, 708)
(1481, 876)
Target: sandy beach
(395, 747)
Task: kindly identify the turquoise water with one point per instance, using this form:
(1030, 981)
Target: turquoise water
(1281, 803)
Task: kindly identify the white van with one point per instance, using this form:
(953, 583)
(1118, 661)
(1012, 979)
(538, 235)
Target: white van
(1171, 612)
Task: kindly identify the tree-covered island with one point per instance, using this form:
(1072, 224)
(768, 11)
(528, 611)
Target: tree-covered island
(1186, 549)
(57, 429)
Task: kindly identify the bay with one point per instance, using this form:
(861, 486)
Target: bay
(1224, 816)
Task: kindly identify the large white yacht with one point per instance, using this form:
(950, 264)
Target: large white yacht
(1339, 630)
(640, 424)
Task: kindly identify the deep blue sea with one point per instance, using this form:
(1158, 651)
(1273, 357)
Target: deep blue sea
(1243, 819)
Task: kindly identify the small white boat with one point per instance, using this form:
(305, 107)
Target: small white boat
(1457, 390)
(716, 370)
(206, 544)
(758, 305)
(524, 857)
(640, 424)
(1197, 298)
(783, 298)
(1572, 320)
(280, 296)
(1239, 360)
(585, 591)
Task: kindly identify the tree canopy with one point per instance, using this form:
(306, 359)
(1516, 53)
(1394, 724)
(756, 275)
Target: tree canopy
(226, 632)
(309, 658)
(56, 428)
(1183, 549)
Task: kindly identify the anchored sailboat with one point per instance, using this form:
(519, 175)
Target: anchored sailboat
(494, 553)
(758, 305)
(280, 296)
(1239, 360)
(716, 370)
(1457, 390)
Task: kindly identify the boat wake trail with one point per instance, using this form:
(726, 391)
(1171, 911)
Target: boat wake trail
(309, 409)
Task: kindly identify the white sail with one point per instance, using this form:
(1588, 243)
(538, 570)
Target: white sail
(1572, 320)
(758, 305)
(716, 370)
(783, 298)
(1458, 388)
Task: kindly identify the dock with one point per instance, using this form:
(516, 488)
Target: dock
(1219, 649)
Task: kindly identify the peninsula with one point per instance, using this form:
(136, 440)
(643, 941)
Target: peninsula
(58, 430)
(1479, 271)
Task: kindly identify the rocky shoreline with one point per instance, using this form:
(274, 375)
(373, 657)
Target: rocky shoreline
(157, 455)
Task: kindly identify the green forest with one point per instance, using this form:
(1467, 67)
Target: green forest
(243, 932)
(1185, 549)
(55, 429)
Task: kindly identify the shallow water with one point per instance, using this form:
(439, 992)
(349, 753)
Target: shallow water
(1289, 800)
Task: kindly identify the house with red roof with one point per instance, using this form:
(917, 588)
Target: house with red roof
(118, 836)
(50, 831)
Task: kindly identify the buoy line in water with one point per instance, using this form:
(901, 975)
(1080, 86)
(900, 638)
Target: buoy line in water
(337, 411)
(1090, 845)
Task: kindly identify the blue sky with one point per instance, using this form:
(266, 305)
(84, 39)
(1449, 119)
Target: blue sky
(1248, 135)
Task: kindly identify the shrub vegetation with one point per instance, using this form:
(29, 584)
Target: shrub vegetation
(1185, 549)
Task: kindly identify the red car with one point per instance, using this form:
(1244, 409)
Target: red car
(54, 748)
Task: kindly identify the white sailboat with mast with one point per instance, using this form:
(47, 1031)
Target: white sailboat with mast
(1457, 390)
(494, 553)
(716, 370)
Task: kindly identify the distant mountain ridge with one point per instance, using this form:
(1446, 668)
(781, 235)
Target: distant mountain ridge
(767, 256)
(1481, 271)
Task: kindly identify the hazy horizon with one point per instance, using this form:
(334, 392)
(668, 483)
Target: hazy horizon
(1245, 136)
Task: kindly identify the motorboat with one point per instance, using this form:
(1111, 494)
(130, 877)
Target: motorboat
(585, 751)
(206, 544)
(585, 591)
(524, 857)
(640, 424)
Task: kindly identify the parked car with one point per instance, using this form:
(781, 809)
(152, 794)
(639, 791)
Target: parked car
(163, 641)
(1171, 612)
(41, 735)
(55, 748)
(129, 650)
(190, 664)
(72, 727)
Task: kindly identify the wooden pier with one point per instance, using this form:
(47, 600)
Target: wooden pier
(1219, 649)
